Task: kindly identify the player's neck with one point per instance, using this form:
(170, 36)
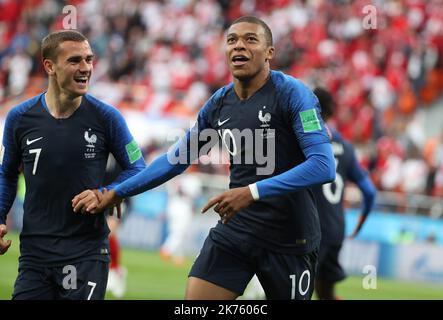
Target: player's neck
(60, 104)
(246, 88)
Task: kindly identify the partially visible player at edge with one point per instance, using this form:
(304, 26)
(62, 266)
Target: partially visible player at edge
(61, 138)
(117, 272)
(330, 204)
(269, 223)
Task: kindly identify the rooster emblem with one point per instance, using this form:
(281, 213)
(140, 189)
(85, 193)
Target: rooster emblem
(264, 118)
(90, 139)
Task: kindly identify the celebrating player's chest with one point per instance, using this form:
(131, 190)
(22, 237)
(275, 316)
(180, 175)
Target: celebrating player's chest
(48, 144)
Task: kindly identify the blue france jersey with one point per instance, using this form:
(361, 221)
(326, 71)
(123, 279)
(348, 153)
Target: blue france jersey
(61, 158)
(330, 196)
(283, 118)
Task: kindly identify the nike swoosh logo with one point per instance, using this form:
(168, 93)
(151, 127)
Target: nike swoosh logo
(220, 123)
(28, 142)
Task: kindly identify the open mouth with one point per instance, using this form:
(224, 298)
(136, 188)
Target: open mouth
(239, 60)
(82, 80)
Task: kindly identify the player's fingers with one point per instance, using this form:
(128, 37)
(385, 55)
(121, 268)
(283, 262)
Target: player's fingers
(221, 207)
(85, 204)
(352, 236)
(98, 208)
(104, 203)
(91, 200)
(83, 194)
(223, 212)
(5, 246)
(75, 200)
(80, 206)
(101, 206)
(98, 194)
(3, 231)
(80, 196)
(228, 216)
(119, 211)
(92, 205)
(211, 202)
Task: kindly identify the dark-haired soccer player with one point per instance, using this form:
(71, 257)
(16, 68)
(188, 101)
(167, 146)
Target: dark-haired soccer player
(61, 138)
(330, 204)
(269, 224)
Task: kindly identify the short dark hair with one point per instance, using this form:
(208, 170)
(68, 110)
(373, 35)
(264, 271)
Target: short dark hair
(255, 20)
(51, 43)
(326, 101)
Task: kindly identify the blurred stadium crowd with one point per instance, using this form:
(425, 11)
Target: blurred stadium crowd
(165, 58)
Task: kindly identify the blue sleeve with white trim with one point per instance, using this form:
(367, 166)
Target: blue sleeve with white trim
(308, 126)
(10, 159)
(318, 168)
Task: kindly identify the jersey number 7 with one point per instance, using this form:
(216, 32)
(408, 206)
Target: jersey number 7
(37, 156)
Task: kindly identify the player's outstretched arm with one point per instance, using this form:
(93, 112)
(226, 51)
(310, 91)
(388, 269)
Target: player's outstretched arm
(161, 170)
(4, 244)
(318, 168)
(168, 165)
(369, 192)
(157, 173)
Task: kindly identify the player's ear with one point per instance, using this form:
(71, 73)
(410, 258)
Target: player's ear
(48, 64)
(270, 51)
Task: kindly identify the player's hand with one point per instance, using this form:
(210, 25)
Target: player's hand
(4, 244)
(357, 229)
(87, 200)
(230, 202)
(110, 200)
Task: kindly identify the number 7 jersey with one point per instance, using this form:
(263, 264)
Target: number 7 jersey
(61, 158)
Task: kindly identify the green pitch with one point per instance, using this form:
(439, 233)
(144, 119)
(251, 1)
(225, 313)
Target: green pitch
(149, 277)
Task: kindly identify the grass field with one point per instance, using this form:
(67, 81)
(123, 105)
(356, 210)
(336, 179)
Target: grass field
(151, 278)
